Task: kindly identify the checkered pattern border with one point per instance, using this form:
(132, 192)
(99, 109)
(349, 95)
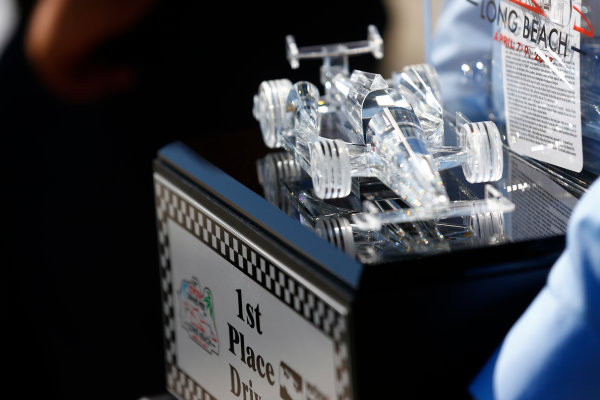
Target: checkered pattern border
(184, 386)
(171, 205)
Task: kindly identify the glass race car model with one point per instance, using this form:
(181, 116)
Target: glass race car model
(367, 126)
(363, 229)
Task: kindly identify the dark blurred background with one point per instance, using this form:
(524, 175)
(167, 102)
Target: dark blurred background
(83, 284)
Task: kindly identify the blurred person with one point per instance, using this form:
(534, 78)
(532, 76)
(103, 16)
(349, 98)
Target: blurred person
(89, 91)
(83, 312)
(461, 37)
(64, 40)
(553, 350)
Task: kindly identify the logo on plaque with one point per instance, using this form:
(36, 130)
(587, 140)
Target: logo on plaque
(290, 383)
(197, 314)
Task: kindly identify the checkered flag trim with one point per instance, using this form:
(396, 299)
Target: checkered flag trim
(254, 265)
(185, 387)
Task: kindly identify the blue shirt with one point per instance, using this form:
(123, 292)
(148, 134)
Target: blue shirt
(553, 350)
(461, 51)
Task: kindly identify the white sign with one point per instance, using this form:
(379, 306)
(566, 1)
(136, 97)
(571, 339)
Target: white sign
(243, 326)
(540, 68)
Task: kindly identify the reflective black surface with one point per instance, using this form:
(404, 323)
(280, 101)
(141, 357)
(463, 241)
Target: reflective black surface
(542, 201)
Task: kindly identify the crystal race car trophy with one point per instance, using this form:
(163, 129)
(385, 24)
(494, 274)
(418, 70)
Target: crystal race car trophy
(381, 228)
(362, 127)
